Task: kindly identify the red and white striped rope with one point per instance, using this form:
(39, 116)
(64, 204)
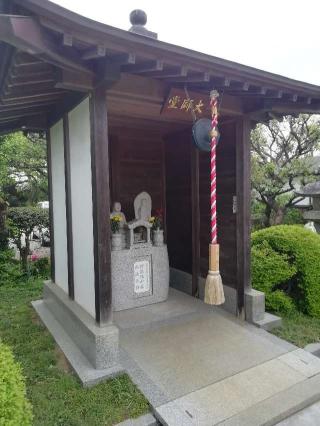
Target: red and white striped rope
(213, 175)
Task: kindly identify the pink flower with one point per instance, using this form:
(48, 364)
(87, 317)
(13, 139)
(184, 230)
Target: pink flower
(34, 257)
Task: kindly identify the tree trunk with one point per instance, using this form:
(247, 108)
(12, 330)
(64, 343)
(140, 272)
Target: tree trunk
(267, 216)
(279, 215)
(24, 252)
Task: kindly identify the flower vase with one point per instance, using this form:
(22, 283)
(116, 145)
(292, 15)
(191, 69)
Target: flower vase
(116, 241)
(158, 237)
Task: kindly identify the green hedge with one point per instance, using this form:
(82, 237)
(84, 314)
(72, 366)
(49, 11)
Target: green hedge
(286, 266)
(15, 410)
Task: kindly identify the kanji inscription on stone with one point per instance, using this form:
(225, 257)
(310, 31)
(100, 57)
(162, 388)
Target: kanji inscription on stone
(141, 273)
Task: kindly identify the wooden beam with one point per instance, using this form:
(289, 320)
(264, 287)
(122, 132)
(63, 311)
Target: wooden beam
(98, 51)
(67, 176)
(70, 80)
(243, 194)
(256, 90)
(122, 59)
(51, 225)
(195, 217)
(220, 82)
(28, 70)
(24, 33)
(101, 204)
(240, 85)
(67, 40)
(36, 122)
(23, 99)
(14, 115)
(195, 78)
(25, 80)
(33, 88)
(144, 67)
(171, 72)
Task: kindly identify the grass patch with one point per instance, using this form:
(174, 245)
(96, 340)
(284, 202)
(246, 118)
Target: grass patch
(57, 395)
(299, 329)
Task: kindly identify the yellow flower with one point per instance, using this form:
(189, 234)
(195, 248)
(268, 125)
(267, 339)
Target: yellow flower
(152, 219)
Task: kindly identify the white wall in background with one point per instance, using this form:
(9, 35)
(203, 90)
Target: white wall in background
(59, 206)
(81, 198)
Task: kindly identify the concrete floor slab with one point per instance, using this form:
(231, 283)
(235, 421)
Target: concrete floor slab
(199, 343)
(199, 365)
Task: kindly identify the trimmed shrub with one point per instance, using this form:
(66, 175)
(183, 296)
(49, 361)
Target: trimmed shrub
(286, 266)
(269, 269)
(14, 407)
(9, 267)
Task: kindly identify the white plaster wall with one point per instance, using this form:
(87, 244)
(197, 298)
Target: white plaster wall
(59, 206)
(81, 198)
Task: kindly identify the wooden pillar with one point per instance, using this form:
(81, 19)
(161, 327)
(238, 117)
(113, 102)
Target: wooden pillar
(67, 172)
(195, 220)
(49, 168)
(243, 184)
(101, 204)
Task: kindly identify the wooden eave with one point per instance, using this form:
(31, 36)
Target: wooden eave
(51, 53)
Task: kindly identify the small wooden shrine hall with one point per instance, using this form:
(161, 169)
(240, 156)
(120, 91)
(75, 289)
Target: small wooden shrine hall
(118, 107)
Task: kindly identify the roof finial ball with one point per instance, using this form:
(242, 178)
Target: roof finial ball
(138, 19)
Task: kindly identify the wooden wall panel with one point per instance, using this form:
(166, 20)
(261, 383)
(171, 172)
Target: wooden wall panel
(178, 195)
(136, 165)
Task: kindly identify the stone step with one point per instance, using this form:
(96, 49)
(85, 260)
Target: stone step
(145, 420)
(262, 395)
(269, 322)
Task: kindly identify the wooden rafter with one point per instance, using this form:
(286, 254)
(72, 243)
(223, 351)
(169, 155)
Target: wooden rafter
(24, 33)
(144, 67)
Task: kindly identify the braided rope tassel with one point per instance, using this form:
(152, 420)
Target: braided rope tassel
(213, 176)
(213, 293)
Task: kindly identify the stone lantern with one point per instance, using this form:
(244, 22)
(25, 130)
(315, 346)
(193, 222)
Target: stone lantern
(312, 190)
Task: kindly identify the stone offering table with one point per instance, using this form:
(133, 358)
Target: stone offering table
(139, 271)
(140, 276)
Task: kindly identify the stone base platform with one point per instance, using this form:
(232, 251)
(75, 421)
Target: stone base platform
(88, 375)
(92, 351)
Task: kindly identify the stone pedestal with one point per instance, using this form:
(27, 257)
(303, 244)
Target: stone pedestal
(140, 276)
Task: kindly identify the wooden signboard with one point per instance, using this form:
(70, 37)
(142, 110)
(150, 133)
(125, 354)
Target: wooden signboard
(184, 106)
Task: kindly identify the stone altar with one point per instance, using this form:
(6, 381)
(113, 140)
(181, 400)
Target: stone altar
(140, 271)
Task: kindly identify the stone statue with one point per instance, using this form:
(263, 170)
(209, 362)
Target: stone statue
(142, 206)
(116, 211)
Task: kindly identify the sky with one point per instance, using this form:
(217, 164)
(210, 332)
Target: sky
(279, 36)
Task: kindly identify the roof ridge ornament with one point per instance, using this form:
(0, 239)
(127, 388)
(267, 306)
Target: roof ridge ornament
(138, 19)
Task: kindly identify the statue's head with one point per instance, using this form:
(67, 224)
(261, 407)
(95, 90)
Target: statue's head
(117, 207)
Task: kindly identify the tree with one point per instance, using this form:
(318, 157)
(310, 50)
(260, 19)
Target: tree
(23, 168)
(282, 160)
(22, 221)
